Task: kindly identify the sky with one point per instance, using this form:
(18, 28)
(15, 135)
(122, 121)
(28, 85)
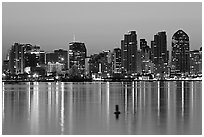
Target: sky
(101, 26)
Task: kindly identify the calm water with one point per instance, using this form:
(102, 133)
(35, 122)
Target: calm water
(88, 108)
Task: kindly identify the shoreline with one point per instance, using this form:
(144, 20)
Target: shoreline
(127, 80)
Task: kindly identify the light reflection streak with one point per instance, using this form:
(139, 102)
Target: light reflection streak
(29, 108)
(168, 107)
(99, 98)
(3, 100)
(168, 97)
(133, 97)
(107, 97)
(125, 101)
(182, 99)
(140, 92)
(49, 102)
(56, 94)
(99, 90)
(144, 94)
(158, 99)
(192, 103)
(35, 109)
(70, 108)
(136, 96)
(57, 98)
(62, 109)
(192, 91)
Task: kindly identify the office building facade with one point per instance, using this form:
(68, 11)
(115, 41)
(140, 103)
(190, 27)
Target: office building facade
(195, 62)
(180, 61)
(77, 56)
(129, 52)
(159, 53)
(116, 60)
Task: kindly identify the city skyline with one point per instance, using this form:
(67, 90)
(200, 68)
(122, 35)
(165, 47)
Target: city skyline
(99, 29)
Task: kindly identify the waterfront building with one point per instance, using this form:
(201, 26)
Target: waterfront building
(87, 67)
(24, 57)
(51, 57)
(180, 61)
(57, 57)
(17, 57)
(62, 57)
(129, 52)
(139, 62)
(94, 64)
(77, 56)
(143, 45)
(195, 62)
(145, 57)
(34, 58)
(116, 60)
(106, 63)
(5, 66)
(100, 64)
(159, 53)
(54, 68)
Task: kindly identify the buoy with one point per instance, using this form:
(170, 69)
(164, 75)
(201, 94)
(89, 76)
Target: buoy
(117, 112)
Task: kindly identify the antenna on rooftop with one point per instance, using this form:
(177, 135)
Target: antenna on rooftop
(74, 38)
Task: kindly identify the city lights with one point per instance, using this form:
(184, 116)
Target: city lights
(125, 63)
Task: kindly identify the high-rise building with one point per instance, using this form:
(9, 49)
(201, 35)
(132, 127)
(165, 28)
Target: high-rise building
(180, 53)
(77, 56)
(34, 58)
(5, 66)
(139, 62)
(145, 56)
(101, 64)
(94, 63)
(87, 70)
(105, 62)
(129, 52)
(62, 56)
(51, 57)
(117, 60)
(195, 62)
(159, 53)
(57, 57)
(40, 55)
(143, 45)
(24, 55)
(16, 57)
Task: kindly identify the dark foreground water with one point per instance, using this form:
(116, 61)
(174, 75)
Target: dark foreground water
(88, 108)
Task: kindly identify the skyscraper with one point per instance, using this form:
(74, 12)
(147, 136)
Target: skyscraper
(77, 56)
(5, 66)
(180, 53)
(159, 54)
(129, 52)
(143, 45)
(16, 57)
(117, 60)
(145, 56)
(195, 62)
(34, 57)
